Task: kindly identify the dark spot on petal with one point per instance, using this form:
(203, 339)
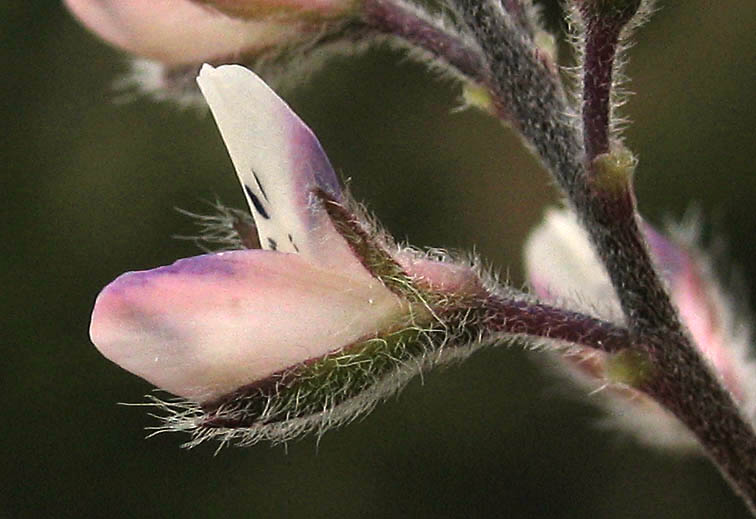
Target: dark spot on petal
(256, 203)
(260, 185)
(272, 245)
(291, 240)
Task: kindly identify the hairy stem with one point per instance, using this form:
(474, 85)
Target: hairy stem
(522, 317)
(519, 13)
(397, 19)
(597, 85)
(508, 313)
(529, 95)
(604, 23)
(693, 394)
(682, 382)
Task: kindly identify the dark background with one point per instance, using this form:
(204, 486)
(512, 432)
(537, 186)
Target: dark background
(88, 188)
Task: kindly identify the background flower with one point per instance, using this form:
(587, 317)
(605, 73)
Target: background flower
(562, 267)
(187, 32)
(169, 40)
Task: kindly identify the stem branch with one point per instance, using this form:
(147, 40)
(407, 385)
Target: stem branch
(550, 322)
(683, 382)
(394, 18)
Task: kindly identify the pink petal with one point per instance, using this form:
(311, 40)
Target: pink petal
(177, 31)
(441, 276)
(207, 325)
(258, 8)
(703, 309)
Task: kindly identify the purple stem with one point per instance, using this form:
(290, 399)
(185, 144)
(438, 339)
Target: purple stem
(682, 381)
(511, 316)
(396, 19)
(600, 49)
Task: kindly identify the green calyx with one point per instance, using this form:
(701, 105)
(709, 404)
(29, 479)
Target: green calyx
(327, 390)
(374, 255)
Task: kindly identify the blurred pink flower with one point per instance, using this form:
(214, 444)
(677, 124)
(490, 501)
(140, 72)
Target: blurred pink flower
(563, 267)
(178, 32)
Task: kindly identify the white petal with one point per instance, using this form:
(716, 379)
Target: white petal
(207, 325)
(561, 265)
(279, 163)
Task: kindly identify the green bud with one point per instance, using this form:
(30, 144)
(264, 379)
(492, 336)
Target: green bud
(613, 171)
(478, 96)
(629, 367)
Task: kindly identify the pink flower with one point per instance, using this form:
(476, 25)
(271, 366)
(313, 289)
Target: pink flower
(307, 324)
(562, 266)
(258, 8)
(186, 32)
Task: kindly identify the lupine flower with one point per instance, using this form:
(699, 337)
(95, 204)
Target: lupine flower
(326, 319)
(172, 38)
(563, 267)
(309, 331)
(187, 32)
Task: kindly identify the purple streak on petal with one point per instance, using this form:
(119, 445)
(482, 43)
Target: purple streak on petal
(308, 155)
(207, 264)
(669, 257)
